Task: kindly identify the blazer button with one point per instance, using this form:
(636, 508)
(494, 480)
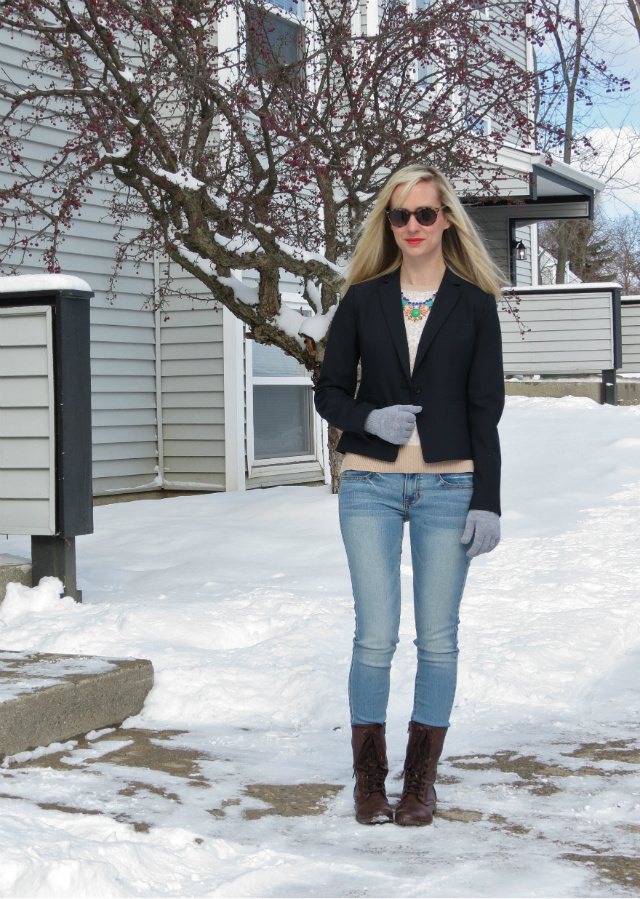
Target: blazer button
(416, 389)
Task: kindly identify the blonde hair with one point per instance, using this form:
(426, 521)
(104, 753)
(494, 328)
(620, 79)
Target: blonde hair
(464, 252)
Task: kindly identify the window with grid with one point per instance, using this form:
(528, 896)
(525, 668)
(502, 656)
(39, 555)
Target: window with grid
(282, 406)
(274, 38)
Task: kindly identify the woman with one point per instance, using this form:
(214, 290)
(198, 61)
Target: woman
(421, 440)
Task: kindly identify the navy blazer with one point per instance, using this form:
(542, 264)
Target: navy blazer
(457, 378)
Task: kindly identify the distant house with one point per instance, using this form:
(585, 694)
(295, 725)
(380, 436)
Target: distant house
(547, 267)
(185, 401)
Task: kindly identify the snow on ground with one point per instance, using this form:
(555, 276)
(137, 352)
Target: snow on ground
(235, 780)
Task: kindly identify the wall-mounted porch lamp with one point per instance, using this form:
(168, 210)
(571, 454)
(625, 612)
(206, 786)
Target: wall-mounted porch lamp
(521, 250)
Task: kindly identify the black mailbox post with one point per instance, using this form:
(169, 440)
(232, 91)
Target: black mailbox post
(45, 419)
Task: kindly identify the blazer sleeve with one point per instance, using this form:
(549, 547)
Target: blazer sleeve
(485, 393)
(336, 388)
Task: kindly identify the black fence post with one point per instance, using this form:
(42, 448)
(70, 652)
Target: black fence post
(609, 382)
(610, 387)
(55, 557)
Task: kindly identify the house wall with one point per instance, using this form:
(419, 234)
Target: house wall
(123, 388)
(192, 395)
(157, 395)
(123, 381)
(142, 366)
(630, 334)
(566, 330)
(524, 268)
(493, 225)
(123, 352)
(517, 49)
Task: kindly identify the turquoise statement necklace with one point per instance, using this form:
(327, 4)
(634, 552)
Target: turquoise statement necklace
(415, 310)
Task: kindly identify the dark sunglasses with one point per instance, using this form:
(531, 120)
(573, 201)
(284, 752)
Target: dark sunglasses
(426, 215)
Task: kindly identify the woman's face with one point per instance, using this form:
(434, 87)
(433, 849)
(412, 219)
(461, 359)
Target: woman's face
(414, 240)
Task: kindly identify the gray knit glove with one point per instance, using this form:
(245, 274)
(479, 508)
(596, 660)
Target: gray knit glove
(484, 527)
(394, 424)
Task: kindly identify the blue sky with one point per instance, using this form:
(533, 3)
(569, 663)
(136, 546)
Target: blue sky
(612, 113)
(623, 57)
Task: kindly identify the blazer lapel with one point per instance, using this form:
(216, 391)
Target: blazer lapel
(446, 298)
(392, 307)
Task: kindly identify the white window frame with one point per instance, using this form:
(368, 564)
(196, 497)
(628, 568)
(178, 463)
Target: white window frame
(259, 467)
(299, 18)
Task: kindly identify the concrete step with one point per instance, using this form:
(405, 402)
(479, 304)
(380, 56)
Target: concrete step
(13, 570)
(49, 698)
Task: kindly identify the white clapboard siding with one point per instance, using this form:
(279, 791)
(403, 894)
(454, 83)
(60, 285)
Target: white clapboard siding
(524, 267)
(630, 334)
(566, 331)
(27, 421)
(123, 386)
(493, 225)
(191, 370)
(125, 451)
(516, 50)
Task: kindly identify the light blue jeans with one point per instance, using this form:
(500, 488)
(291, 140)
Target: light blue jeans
(373, 509)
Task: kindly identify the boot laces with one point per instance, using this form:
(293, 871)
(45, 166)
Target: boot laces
(417, 766)
(371, 766)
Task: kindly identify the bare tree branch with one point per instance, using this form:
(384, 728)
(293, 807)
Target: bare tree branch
(243, 152)
(634, 8)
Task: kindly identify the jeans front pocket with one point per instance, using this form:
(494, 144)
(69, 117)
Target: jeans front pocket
(459, 480)
(352, 474)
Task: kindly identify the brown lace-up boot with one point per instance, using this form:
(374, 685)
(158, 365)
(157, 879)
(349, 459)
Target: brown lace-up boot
(370, 769)
(418, 801)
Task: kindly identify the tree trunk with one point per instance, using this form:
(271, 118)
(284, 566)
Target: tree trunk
(563, 254)
(335, 458)
(634, 6)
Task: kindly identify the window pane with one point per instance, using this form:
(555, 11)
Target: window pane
(291, 6)
(282, 421)
(272, 362)
(271, 39)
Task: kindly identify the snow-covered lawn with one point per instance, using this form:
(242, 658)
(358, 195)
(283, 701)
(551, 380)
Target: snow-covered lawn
(235, 780)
